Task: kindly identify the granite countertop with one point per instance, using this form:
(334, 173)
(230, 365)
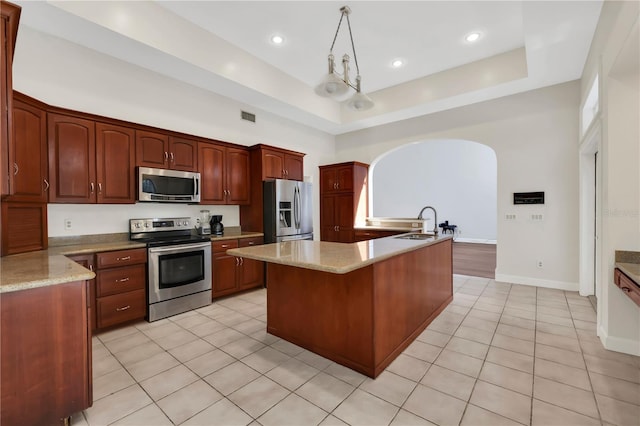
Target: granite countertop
(338, 258)
(51, 267)
(632, 270)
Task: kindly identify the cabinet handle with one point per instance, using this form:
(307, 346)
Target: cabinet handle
(625, 289)
(251, 243)
(166, 156)
(124, 308)
(173, 159)
(91, 267)
(241, 261)
(92, 186)
(237, 261)
(225, 245)
(16, 169)
(123, 280)
(124, 258)
(99, 188)
(46, 187)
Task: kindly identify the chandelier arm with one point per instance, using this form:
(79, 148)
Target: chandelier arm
(353, 46)
(337, 31)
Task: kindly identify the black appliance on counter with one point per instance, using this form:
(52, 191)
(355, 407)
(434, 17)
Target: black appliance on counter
(217, 228)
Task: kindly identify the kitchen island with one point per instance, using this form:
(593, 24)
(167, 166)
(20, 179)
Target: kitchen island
(358, 304)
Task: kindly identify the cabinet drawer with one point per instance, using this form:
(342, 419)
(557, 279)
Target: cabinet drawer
(627, 285)
(121, 307)
(121, 280)
(248, 242)
(121, 258)
(223, 246)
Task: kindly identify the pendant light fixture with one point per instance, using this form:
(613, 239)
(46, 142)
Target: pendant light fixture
(334, 85)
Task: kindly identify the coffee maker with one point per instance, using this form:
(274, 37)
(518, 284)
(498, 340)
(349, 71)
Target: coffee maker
(216, 224)
(204, 227)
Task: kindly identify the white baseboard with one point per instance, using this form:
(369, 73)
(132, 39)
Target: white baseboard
(627, 346)
(537, 282)
(472, 240)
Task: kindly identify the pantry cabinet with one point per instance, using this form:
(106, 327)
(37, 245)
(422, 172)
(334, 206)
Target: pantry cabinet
(343, 200)
(159, 150)
(224, 173)
(232, 274)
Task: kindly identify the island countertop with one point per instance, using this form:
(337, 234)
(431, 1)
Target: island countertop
(337, 258)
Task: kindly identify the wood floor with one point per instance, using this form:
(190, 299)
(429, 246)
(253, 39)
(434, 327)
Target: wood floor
(478, 260)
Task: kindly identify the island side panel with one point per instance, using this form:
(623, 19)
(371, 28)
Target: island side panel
(329, 314)
(46, 354)
(410, 291)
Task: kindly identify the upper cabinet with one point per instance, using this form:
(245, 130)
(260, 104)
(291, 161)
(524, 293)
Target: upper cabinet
(337, 178)
(225, 174)
(281, 164)
(166, 152)
(28, 180)
(10, 14)
(90, 162)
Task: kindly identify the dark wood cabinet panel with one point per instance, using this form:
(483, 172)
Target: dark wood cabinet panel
(88, 261)
(251, 271)
(46, 354)
(24, 227)
(152, 149)
(211, 167)
(224, 274)
(272, 164)
(72, 170)
(233, 274)
(29, 177)
(343, 200)
(294, 167)
(118, 280)
(183, 154)
(225, 174)
(370, 234)
(115, 164)
(121, 308)
(237, 176)
(10, 17)
(120, 258)
(627, 285)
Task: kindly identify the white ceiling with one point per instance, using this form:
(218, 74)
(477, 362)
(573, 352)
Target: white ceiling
(224, 47)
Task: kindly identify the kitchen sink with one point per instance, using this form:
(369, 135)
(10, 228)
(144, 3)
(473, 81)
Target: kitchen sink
(415, 236)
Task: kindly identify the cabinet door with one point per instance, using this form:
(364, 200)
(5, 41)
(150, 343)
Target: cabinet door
(251, 271)
(72, 159)
(87, 261)
(183, 154)
(152, 149)
(238, 179)
(211, 168)
(327, 220)
(24, 227)
(115, 164)
(293, 164)
(28, 175)
(272, 164)
(343, 215)
(328, 182)
(344, 178)
(224, 269)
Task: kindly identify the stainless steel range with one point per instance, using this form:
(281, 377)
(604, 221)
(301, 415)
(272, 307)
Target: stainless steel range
(179, 265)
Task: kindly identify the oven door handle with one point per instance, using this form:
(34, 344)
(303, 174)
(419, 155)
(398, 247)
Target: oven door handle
(180, 247)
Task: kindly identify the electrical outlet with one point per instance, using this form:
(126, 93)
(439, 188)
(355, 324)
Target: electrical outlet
(67, 224)
(539, 264)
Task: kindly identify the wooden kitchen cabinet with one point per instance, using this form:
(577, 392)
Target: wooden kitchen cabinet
(370, 234)
(88, 261)
(224, 173)
(281, 164)
(115, 164)
(10, 18)
(24, 227)
(161, 151)
(28, 180)
(120, 286)
(233, 274)
(90, 162)
(627, 285)
(46, 354)
(343, 200)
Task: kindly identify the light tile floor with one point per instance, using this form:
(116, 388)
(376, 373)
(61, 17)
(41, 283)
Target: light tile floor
(500, 354)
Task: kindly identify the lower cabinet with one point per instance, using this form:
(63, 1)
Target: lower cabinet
(120, 286)
(87, 261)
(45, 357)
(233, 274)
(363, 235)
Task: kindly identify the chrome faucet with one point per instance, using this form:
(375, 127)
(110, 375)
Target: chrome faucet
(435, 218)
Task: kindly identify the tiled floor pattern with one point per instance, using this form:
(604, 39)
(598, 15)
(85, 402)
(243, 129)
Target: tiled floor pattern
(500, 354)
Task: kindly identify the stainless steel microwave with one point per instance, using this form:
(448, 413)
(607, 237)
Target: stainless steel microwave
(171, 186)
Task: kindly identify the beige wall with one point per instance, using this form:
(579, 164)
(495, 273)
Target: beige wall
(614, 56)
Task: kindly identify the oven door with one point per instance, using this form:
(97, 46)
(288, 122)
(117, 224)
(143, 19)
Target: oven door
(179, 270)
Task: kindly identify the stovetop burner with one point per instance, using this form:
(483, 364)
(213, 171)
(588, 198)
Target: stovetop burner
(164, 231)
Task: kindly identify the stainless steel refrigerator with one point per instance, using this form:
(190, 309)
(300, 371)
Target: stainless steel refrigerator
(288, 210)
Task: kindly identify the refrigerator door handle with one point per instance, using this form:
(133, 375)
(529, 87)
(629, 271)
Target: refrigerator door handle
(296, 207)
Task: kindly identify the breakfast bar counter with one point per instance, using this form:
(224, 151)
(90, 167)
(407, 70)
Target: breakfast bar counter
(358, 304)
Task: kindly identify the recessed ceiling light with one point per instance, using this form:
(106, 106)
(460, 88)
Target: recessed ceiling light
(397, 63)
(277, 39)
(471, 37)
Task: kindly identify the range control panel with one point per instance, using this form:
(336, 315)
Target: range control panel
(159, 224)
